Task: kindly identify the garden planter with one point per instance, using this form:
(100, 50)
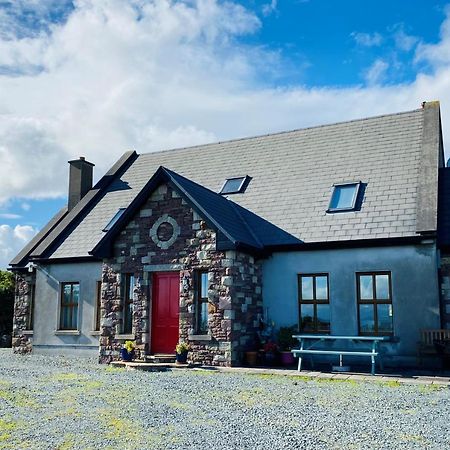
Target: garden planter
(251, 358)
(287, 359)
(181, 357)
(125, 355)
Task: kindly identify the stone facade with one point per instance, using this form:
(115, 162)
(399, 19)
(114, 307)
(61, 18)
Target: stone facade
(445, 291)
(167, 235)
(21, 335)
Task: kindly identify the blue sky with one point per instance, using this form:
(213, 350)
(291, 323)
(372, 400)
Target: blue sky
(97, 78)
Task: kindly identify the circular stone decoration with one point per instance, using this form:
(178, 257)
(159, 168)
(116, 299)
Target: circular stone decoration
(165, 231)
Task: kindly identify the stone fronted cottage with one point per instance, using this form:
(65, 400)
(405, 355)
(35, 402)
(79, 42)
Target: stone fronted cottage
(333, 229)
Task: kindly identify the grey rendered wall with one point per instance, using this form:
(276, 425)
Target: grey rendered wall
(47, 298)
(414, 290)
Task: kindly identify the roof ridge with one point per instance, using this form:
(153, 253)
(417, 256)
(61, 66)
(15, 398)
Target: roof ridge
(277, 133)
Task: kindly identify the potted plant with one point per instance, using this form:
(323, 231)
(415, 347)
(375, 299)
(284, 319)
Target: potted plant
(127, 352)
(181, 352)
(270, 353)
(287, 343)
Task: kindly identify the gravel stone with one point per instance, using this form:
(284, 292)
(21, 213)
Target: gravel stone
(56, 402)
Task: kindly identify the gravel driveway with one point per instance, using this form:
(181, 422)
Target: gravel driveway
(67, 403)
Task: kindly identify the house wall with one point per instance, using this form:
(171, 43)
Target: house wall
(414, 289)
(22, 339)
(234, 287)
(46, 338)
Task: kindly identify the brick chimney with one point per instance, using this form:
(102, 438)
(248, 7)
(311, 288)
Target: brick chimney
(80, 180)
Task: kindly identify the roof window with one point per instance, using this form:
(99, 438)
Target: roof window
(236, 185)
(115, 218)
(344, 197)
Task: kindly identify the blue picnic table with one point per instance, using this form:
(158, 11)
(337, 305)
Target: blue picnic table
(314, 339)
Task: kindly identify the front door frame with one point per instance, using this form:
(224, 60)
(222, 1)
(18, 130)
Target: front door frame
(160, 269)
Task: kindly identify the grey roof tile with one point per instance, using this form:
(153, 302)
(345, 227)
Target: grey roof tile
(292, 178)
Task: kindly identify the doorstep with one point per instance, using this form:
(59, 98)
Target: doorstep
(150, 366)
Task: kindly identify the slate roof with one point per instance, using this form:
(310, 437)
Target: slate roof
(239, 228)
(293, 175)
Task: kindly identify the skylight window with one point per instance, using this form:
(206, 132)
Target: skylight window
(344, 197)
(236, 185)
(115, 218)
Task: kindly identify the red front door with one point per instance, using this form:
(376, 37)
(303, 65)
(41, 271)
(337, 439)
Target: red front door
(165, 311)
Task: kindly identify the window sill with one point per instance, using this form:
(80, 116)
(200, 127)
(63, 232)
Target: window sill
(27, 332)
(68, 332)
(125, 337)
(200, 337)
(95, 332)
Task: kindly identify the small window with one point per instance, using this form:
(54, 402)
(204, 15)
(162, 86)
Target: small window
(314, 303)
(98, 298)
(201, 309)
(30, 315)
(127, 303)
(344, 197)
(70, 297)
(236, 185)
(374, 303)
(114, 219)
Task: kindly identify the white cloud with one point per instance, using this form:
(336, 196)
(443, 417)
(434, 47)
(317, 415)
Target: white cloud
(404, 41)
(367, 39)
(12, 241)
(152, 74)
(269, 8)
(9, 216)
(25, 206)
(376, 73)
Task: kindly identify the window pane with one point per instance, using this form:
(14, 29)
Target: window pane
(382, 287)
(232, 185)
(130, 287)
(204, 285)
(66, 294)
(323, 317)
(128, 319)
(73, 325)
(115, 218)
(343, 196)
(366, 287)
(307, 288)
(384, 318)
(204, 317)
(321, 288)
(366, 319)
(75, 293)
(307, 319)
(64, 318)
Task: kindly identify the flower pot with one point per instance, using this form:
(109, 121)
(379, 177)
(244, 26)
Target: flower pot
(287, 359)
(251, 358)
(125, 355)
(181, 357)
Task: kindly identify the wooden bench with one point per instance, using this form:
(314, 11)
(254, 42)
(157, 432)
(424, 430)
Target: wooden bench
(372, 353)
(428, 340)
